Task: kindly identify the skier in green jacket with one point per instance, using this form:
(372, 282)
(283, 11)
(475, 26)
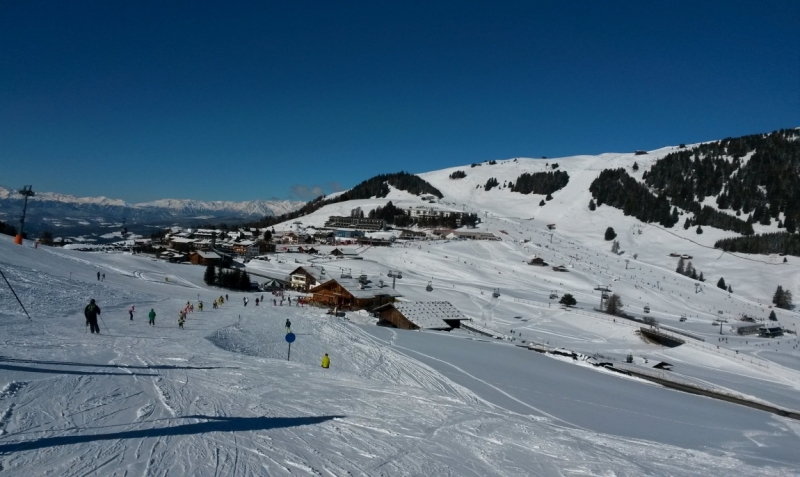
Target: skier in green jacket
(152, 316)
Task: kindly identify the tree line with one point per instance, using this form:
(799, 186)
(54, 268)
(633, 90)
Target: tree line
(617, 189)
(233, 279)
(775, 242)
(757, 175)
(540, 182)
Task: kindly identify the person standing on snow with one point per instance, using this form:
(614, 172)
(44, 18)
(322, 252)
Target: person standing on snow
(200, 306)
(91, 312)
(98, 276)
(288, 325)
(152, 317)
(130, 312)
(181, 319)
(326, 361)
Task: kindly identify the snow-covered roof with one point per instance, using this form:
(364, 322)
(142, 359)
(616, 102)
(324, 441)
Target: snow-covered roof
(207, 254)
(353, 287)
(428, 314)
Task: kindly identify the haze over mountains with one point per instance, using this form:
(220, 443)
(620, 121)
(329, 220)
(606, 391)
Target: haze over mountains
(66, 215)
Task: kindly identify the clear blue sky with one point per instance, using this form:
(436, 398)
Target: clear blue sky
(142, 100)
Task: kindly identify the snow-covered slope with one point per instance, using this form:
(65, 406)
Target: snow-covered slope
(220, 397)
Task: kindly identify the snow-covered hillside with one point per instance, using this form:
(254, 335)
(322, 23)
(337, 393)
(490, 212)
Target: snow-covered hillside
(220, 398)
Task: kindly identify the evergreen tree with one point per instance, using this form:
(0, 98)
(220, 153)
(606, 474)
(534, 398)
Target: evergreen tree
(730, 289)
(610, 234)
(687, 224)
(541, 203)
(701, 277)
(210, 276)
(568, 300)
(635, 166)
(699, 230)
(721, 284)
(681, 267)
(549, 197)
(782, 298)
(615, 246)
(614, 305)
(773, 316)
(244, 281)
(591, 204)
(267, 236)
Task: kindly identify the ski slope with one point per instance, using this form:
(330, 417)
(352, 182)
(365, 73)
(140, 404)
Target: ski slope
(220, 397)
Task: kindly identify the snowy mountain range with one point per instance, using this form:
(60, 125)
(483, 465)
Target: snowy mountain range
(53, 211)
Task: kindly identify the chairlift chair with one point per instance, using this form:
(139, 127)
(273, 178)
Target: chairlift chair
(647, 308)
(429, 287)
(496, 293)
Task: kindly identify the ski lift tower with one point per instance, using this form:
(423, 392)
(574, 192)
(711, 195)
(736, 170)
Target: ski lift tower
(27, 192)
(604, 290)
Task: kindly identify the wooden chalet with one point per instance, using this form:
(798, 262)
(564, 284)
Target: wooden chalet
(305, 278)
(346, 253)
(425, 315)
(538, 261)
(348, 293)
(201, 257)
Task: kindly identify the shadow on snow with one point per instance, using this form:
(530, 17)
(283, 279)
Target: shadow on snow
(212, 424)
(125, 366)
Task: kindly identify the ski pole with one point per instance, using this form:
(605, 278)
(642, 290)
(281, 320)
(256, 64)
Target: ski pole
(15, 295)
(104, 323)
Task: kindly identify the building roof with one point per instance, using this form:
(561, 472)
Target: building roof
(353, 287)
(207, 255)
(181, 240)
(316, 273)
(428, 314)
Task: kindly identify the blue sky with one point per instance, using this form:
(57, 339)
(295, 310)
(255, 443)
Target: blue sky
(205, 100)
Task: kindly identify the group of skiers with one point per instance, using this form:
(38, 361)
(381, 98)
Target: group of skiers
(92, 312)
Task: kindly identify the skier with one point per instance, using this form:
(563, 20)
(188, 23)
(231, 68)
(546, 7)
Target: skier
(256, 301)
(98, 276)
(152, 316)
(200, 306)
(326, 361)
(181, 319)
(226, 296)
(245, 301)
(91, 312)
(274, 302)
(130, 312)
(288, 325)
(104, 277)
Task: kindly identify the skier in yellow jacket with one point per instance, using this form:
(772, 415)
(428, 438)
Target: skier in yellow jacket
(326, 361)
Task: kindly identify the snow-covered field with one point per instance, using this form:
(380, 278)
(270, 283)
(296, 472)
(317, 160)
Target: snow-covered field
(220, 397)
